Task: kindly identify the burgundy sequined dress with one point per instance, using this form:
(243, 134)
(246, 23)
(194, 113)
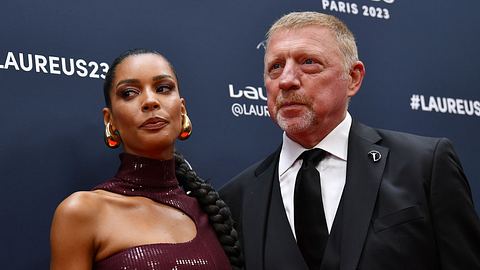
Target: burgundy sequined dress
(155, 179)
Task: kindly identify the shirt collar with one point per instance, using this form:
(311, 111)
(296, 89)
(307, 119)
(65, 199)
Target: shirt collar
(335, 143)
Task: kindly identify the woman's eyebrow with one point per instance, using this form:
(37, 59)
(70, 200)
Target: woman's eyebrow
(161, 77)
(126, 81)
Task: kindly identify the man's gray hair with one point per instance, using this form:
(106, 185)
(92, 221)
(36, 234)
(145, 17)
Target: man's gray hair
(344, 37)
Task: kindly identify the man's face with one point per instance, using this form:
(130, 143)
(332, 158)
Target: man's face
(307, 85)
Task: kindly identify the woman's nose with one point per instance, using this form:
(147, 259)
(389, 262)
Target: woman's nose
(151, 102)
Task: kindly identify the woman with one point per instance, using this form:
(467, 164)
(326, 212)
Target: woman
(141, 218)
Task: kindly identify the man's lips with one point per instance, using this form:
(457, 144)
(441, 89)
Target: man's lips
(291, 109)
(292, 105)
(154, 123)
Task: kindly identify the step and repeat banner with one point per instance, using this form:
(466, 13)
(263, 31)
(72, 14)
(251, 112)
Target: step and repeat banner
(422, 76)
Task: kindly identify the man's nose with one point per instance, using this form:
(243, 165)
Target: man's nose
(150, 101)
(289, 79)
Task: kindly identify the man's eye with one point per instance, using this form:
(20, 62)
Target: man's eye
(275, 66)
(308, 61)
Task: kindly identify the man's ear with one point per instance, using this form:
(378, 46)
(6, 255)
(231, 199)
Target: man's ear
(357, 72)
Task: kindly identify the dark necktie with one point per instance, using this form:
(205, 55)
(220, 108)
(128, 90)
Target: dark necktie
(310, 225)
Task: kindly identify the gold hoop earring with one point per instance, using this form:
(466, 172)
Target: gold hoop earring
(111, 139)
(186, 128)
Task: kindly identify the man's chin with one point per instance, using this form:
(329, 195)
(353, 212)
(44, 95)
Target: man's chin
(292, 126)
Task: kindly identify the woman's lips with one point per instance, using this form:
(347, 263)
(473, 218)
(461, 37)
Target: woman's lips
(154, 123)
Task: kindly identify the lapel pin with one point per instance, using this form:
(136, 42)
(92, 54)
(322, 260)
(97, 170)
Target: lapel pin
(374, 155)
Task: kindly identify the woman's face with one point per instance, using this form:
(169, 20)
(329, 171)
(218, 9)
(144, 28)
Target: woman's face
(146, 106)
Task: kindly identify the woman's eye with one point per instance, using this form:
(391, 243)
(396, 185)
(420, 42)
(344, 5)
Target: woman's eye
(164, 88)
(128, 92)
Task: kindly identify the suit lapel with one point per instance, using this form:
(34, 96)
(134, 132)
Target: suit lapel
(257, 200)
(360, 192)
(279, 239)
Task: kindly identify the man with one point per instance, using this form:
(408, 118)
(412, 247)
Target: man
(382, 200)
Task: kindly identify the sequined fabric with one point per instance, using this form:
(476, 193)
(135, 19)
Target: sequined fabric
(155, 179)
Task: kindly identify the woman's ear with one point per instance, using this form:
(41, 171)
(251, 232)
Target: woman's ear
(107, 116)
(183, 108)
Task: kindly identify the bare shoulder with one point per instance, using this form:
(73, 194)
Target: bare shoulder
(81, 206)
(74, 231)
(79, 203)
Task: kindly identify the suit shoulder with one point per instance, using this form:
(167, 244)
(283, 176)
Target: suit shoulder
(247, 176)
(241, 179)
(406, 140)
(403, 143)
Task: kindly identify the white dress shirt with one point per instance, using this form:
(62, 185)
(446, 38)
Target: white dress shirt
(332, 169)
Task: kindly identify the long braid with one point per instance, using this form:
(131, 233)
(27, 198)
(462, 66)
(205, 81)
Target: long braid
(218, 212)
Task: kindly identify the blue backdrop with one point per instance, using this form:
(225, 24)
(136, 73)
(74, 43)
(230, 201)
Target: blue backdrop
(421, 60)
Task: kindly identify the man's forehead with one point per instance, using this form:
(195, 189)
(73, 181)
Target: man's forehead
(300, 30)
(306, 39)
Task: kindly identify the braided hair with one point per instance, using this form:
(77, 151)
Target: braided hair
(218, 212)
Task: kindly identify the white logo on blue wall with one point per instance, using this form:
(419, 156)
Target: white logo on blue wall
(372, 11)
(249, 110)
(449, 105)
(262, 44)
(250, 92)
(49, 64)
(246, 101)
(386, 1)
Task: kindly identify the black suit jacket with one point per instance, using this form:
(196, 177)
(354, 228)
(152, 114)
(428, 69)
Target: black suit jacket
(412, 209)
